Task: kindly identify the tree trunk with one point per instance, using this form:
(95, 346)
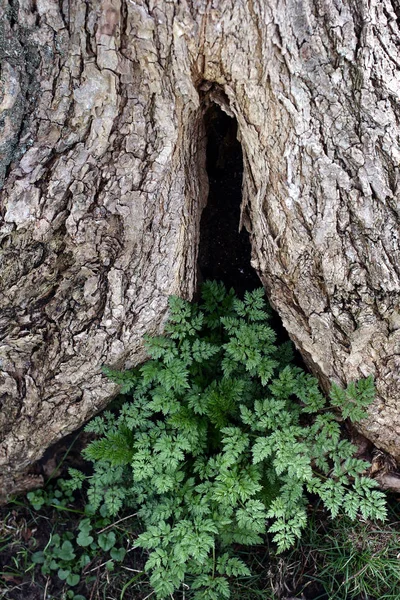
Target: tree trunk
(103, 159)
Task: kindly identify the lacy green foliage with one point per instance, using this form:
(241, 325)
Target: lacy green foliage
(221, 441)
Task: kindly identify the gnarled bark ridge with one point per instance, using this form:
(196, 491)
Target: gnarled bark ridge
(103, 162)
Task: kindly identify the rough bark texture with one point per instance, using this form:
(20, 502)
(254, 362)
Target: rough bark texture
(102, 155)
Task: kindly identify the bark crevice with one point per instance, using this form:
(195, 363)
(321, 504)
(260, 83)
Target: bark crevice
(224, 247)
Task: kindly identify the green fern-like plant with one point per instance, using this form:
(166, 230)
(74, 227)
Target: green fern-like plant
(220, 441)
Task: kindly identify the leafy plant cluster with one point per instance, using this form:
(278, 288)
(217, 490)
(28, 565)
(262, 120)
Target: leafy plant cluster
(68, 554)
(58, 497)
(221, 441)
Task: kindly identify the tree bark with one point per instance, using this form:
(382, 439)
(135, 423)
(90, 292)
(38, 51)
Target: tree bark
(103, 160)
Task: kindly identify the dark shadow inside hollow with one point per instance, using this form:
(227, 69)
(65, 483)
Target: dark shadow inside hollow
(224, 252)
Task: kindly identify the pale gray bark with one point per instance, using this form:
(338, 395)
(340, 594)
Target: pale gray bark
(102, 154)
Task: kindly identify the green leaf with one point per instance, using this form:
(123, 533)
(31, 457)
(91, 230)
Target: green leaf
(38, 557)
(84, 560)
(63, 573)
(126, 379)
(118, 554)
(66, 551)
(106, 540)
(37, 499)
(262, 449)
(73, 579)
(232, 566)
(84, 539)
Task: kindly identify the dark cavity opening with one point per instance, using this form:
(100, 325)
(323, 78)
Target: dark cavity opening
(224, 252)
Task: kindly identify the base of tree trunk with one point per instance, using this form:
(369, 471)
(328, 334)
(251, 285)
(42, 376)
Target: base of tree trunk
(104, 179)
